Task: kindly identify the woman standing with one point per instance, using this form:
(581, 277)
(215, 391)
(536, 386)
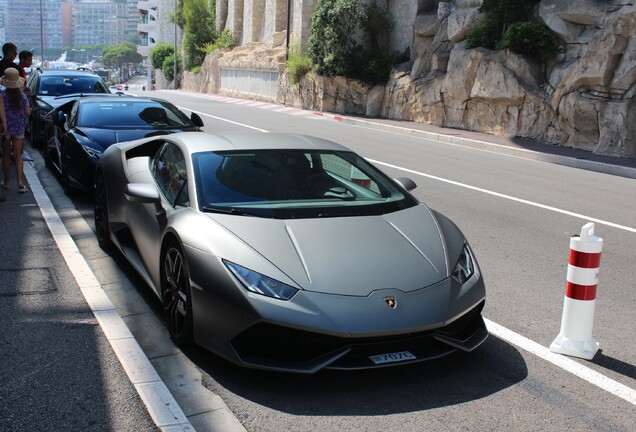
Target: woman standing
(17, 110)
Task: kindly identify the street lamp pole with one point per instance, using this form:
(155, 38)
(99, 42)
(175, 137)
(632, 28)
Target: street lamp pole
(175, 44)
(41, 34)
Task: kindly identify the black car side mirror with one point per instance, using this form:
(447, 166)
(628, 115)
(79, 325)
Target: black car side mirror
(60, 119)
(196, 119)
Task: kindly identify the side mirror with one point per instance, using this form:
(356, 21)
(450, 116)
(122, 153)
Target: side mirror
(141, 192)
(196, 119)
(406, 183)
(60, 119)
(144, 193)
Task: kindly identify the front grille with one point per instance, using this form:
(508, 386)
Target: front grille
(271, 344)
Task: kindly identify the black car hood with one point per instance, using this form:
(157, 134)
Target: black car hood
(53, 101)
(106, 137)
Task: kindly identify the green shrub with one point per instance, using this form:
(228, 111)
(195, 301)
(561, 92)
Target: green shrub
(349, 39)
(159, 53)
(198, 31)
(530, 38)
(224, 40)
(168, 67)
(298, 65)
(332, 42)
(486, 34)
(196, 69)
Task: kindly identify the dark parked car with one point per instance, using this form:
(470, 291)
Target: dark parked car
(51, 88)
(83, 128)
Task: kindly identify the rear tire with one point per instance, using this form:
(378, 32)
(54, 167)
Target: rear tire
(102, 228)
(64, 177)
(176, 294)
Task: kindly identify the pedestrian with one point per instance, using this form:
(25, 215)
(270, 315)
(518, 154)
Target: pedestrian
(9, 53)
(25, 59)
(3, 123)
(17, 109)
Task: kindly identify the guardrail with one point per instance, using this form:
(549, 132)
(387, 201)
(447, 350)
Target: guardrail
(259, 82)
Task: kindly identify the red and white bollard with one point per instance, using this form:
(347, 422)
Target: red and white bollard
(575, 338)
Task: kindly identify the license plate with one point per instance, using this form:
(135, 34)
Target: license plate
(392, 357)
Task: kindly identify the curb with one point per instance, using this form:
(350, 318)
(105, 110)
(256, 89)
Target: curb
(165, 383)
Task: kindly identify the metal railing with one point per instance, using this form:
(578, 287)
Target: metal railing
(259, 82)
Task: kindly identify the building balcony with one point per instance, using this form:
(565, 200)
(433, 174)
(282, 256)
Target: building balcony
(146, 5)
(150, 26)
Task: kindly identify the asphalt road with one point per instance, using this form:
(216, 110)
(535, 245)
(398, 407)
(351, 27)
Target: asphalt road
(518, 216)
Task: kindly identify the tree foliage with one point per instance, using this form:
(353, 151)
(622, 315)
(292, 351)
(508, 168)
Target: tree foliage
(224, 40)
(121, 54)
(198, 31)
(168, 67)
(159, 53)
(350, 39)
(332, 40)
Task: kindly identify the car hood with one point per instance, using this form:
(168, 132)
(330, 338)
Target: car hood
(350, 255)
(53, 100)
(107, 137)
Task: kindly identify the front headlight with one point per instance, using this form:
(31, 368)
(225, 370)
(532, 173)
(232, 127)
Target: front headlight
(91, 152)
(465, 266)
(261, 284)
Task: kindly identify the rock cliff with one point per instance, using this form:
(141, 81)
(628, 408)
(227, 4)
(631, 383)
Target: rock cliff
(584, 98)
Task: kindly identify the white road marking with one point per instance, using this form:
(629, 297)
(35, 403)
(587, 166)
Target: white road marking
(154, 393)
(581, 371)
(221, 119)
(509, 197)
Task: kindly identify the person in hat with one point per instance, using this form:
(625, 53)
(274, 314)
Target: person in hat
(17, 110)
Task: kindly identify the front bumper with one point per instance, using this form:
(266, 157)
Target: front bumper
(275, 347)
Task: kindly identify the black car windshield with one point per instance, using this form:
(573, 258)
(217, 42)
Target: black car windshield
(133, 114)
(61, 85)
(289, 184)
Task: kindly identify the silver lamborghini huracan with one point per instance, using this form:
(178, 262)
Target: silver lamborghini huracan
(288, 252)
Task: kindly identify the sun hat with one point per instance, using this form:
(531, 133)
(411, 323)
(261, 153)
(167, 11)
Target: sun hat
(12, 78)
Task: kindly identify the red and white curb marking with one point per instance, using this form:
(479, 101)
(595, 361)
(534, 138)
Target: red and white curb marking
(575, 338)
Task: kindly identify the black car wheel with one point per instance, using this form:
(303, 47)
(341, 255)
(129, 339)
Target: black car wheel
(101, 215)
(64, 177)
(176, 294)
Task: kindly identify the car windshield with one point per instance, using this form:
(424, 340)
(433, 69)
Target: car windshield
(60, 86)
(135, 114)
(289, 184)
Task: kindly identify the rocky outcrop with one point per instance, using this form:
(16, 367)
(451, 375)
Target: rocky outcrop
(584, 98)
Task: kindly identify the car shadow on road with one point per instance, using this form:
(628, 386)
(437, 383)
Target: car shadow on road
(452, 380)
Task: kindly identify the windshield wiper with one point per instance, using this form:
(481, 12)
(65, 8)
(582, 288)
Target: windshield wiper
(225, 210)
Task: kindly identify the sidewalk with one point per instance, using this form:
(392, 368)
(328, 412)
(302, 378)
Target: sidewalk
(148, 384)
(58, 369)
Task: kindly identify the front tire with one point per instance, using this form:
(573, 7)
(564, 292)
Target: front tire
(176, 294)
(102, 229)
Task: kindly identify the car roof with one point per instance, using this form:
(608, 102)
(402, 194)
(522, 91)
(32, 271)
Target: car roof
(194, 142)
(119, 97)
(66, 72)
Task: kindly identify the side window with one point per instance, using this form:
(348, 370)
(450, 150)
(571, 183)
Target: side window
(168, 169)
(71, 120)
(33, 82)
